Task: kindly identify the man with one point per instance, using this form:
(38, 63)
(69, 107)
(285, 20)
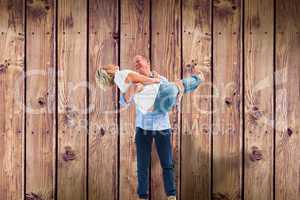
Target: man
(151, 126)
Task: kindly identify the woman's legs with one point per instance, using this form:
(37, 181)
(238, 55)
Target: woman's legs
(168, 93)
(166, 97)
(191, 83)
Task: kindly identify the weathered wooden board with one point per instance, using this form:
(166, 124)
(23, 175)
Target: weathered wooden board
(227, 136)
(72, 99)
(135, 23)
(287, 82)
(166, 60)
(258, 73)
(11, 99)
(103, 123)
(87, 166)
(196, 107)
(40, 99)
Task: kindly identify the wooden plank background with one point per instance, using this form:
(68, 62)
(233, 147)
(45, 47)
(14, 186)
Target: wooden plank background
(196, 110)
(165, 51)
(103, 140)
(134, 33)
(227, 122)
(258, 108)
(40, 99)
(72, 99)
(236, 137)
(12, 96)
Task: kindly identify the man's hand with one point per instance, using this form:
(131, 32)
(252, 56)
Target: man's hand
(155, 74)
(138, 87)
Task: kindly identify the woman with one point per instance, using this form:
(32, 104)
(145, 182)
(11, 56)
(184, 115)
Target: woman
(153, 96)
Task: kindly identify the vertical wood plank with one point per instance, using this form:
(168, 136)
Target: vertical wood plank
(196, 110)
(12, 99)
(103, 121)
(258, 99)
(165, 59)
(40, 98)
(135, 19)
(72, 103)
(287, 177)
(227, 135)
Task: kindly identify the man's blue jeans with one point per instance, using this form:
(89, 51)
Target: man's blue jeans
(143, 141)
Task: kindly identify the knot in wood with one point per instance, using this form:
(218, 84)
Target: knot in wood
(69, 154)
(256, 154)
(228, 101)
(255, 113)
(102, 131)
(205, 130)
(3, 68)
(32, 196)
(220, 196)
(41, 101)
(191, 65)
(70, 117)
(289, 131)
(37, 9)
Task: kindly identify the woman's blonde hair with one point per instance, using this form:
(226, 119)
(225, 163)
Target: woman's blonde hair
(104, 79)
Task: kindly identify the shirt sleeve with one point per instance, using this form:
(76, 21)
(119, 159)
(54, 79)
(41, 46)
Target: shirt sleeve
(163, 79)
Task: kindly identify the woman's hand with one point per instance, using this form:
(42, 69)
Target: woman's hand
(138, 87)
(132, 90)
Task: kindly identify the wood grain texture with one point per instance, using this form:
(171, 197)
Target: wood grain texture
(227, 136)
(72, 99)
(259, 99)
(103, 119)
(135, 19)
(287, 166)
(40, 99)
(196, 107)
(166, 60)
(207, 144)
(11, 99)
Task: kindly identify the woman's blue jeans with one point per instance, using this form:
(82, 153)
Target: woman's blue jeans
(143, 141)
(167, 93)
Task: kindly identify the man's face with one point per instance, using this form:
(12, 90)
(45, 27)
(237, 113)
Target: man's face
(141, 65)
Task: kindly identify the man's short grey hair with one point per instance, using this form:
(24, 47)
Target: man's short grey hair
(144, 57)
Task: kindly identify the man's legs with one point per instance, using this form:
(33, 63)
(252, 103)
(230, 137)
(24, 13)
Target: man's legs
(143, 141)
(164, 150)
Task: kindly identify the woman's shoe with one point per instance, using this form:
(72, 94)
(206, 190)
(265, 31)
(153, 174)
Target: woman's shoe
(197, 70)
(171, 197)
